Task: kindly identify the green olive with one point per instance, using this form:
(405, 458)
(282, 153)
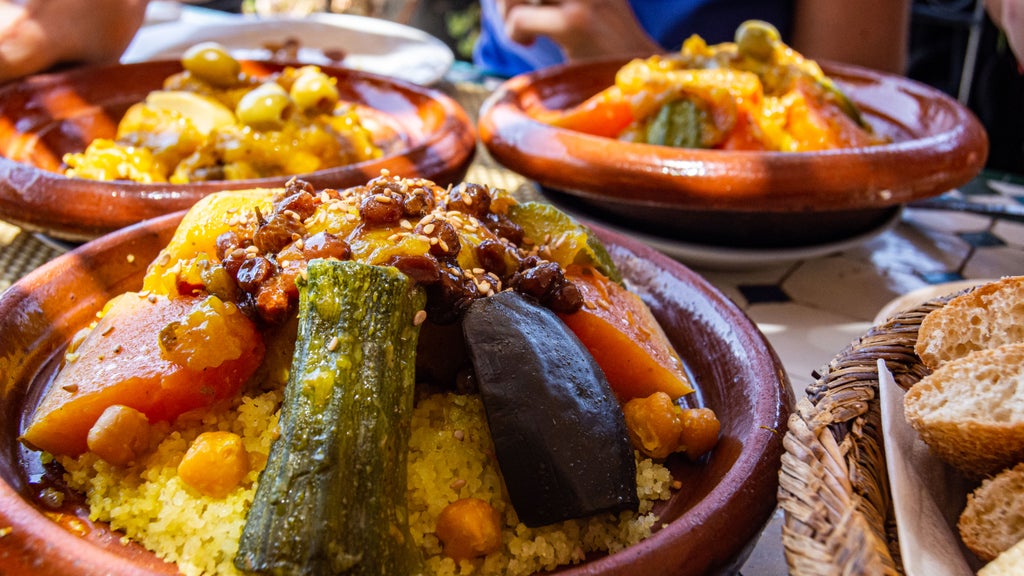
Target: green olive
(314, 90)
(211, 62)
(263, 107)
(757, 39)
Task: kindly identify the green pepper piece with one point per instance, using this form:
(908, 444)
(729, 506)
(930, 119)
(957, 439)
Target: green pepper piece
(570, 241)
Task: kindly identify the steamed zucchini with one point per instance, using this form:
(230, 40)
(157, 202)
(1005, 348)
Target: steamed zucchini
(559, 433)
(331, 499)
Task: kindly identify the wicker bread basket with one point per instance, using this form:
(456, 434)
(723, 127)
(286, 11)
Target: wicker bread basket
(833, 485)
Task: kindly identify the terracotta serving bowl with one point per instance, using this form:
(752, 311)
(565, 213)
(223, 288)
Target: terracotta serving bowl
(43, 117)
(737, 198)
(710, 524)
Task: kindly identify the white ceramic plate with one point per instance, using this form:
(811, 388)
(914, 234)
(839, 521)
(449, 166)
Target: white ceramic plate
(369, 44)
(917, 297)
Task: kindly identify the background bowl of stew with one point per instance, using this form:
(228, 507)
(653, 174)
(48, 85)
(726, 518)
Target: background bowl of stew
(737, 198)
(707, 527)
(43, 117)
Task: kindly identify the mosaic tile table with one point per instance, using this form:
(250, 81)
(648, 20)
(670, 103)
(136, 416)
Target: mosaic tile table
(809, 309)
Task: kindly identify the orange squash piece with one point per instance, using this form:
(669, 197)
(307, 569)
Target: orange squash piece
(623, 336)
(121, 362)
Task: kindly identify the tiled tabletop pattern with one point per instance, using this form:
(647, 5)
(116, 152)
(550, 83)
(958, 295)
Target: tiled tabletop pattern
(809, 309)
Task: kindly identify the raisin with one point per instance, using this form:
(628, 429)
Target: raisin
(381, 210)
(447, 243)
(418, 202)
(491, 255)
(325, 245)
(279, 232)
(253, 273)
(422, 269)
(504, 228)
(227, 242)
(303, 204)
(472, 199)
(538, 280)
(566, 299)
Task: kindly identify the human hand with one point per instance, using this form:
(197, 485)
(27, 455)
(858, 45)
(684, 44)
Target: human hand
(1008, 15)
(38, 34)
(583, 28)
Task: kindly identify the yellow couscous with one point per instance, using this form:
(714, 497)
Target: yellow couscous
(450, 457)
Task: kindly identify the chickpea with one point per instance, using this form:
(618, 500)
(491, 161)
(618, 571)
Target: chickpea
(120, 435)
(314, 90)
(210, 61)
(469, 528)
(264, 106)
(700, 431)
(215, 463)
(654, 424)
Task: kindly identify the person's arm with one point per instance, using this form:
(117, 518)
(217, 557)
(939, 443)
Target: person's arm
(1008, 15)
(871, 33)
(583, 28)
(38, 34)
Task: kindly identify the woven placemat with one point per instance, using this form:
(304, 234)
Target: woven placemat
(20, 253)
(833, 484)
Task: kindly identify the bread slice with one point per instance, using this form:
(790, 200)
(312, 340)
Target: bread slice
(993, 520)
(1009, 563)
(970, 411)
(988, 316)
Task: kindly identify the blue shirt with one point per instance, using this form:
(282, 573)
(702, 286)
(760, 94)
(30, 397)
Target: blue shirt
(669, 22)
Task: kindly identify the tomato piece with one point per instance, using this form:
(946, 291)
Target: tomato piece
(121, 361)
(624, 338)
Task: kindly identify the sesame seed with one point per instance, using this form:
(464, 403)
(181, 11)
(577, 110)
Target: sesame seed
(419, 318)
(457, 483)
(333, 344)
